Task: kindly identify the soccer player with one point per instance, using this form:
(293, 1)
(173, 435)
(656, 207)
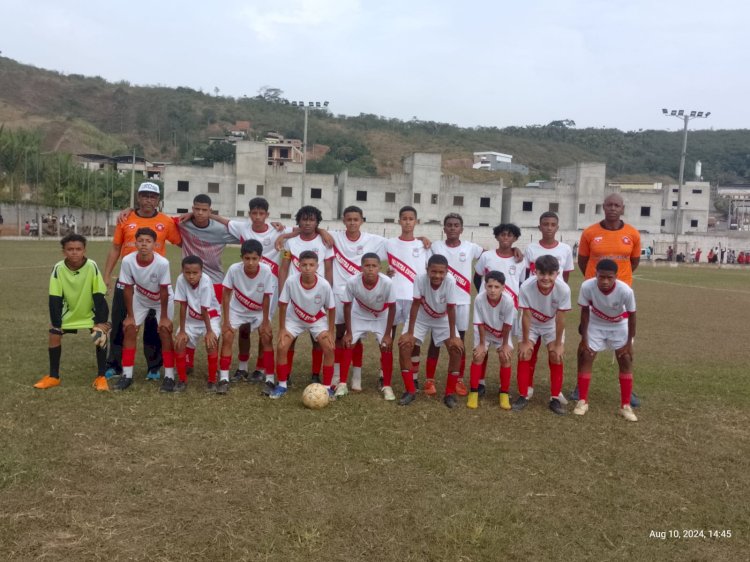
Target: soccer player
(76, 302)
(494, 314)
(607, 322)
(199, 318)
(249, 287)
(461, 255)
(433, 309)
(369, 307)
(306, 304)
(147, 286)
(544, 299)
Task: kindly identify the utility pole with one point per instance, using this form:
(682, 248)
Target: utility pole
(306, 108)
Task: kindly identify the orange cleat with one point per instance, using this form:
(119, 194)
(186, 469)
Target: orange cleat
(429, 387)
(47, 382)
(100, 383)
(461, 389)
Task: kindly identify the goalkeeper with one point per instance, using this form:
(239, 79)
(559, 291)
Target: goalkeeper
(76, 302)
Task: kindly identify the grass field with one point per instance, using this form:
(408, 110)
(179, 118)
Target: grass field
(146, 476)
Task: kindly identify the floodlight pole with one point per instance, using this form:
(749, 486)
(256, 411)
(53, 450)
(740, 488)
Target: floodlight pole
(304, 158)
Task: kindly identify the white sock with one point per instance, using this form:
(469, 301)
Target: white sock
(224, 375)
(282, 384)
(269, 378)
(169, 373)
(128, 372)
(336, 374)
(242, 366)
(481, 381)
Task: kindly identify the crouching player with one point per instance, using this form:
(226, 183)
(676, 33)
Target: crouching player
(199, 318)
(494, 314)
(76, 302)
(148, 286)
(306, 305)
(606, 304)
(433, 309)
(369, 307)
(249, 287)
(544, 299)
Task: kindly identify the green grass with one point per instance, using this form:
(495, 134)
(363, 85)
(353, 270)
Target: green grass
(139, 475)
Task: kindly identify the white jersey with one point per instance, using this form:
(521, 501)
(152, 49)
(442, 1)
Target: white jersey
(561, 251)
(513, 271)
(544, 307)
(146, 279)
(369, 304)
(295, 246)
(243, 230)
(347, 256)
(434, 303)
(460, 264)
(494, 317)
(307, 305)
(208, 244)
(607, 309)
(248, 292)
(408, 259)
(197, 298)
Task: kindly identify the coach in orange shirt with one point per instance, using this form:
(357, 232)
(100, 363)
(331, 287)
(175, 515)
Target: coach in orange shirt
(123, 243)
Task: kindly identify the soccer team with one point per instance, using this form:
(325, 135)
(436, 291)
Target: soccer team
(331, 286)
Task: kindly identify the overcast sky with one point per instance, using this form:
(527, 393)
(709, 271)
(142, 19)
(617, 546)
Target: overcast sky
(611, 63)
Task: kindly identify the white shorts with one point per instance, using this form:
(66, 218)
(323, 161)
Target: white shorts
(440, 333)
(403, 308)
(196, 330)
(601, 339)
(546, 333)
(237, 319)
(361, 328)
(339, 309)
(296, 327)
(140, 309)
(462, 317)
(490, 340)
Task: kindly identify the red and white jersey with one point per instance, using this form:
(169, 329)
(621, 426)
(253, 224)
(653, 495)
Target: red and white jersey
(494, 317)
(513, 271)
(434, 303)
(408, 259)
(544, 307)
(197, 298)
(460, 264)
(347, 256)
(372, 303)
(295, 246)
(307, 305)
(561, 251)
(247, 291)
(243, 230)
(146, 279)
(607, 309)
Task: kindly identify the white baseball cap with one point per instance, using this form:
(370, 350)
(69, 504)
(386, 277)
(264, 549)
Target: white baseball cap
(149, 187)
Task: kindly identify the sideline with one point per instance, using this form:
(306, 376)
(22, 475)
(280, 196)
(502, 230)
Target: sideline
(740, 291)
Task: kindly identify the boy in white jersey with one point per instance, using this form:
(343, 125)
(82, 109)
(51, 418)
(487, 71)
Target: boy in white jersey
(607, 322)
(249, 287)
(433, 309)
(461, 255)
(494, 313)
(147, 286)
(199, 319)
(369, 307)
(544, 300)
(306, 304)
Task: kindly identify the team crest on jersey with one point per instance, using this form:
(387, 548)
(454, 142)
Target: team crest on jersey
(318, 300)
(160, 227)
(415, 252)
(443, 299)
(260, 288)
(512, 270)
(132, 226)
(626, 240)
(597, 239)
(316, 250)
(360, 250)
(379, 298)
(462, 256)
(153, 278)
(267, 241)
(554, 303)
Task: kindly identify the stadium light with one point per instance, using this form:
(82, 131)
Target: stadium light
(306, 108)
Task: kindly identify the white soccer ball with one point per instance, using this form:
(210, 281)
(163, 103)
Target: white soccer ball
(315, 396)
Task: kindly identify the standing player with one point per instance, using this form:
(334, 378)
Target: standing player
(433, 310)
(147, 286)
(544, 300)
(461, 255)
(249, 287)
(494, 314)
(199, 318)
(607, 322)
(306, 304)
(76, 302)
(369, 307)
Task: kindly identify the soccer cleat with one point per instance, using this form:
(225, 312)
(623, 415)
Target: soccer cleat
(481, 390)
(335, 380)
(240, 375)
(189, 370)
(556, 407)
(450, 400)
(520, 403)
(267, 389)
(153, 375)
(473, 401)
(341, 390)
(256, 377)
(429, 387)
(461, 389)
(124, 383)
(47, 382)
(562, 399)
(530, 393)
(388, 393)
(627, 412)
(574, 395)
(167, 385)
(277, 393)
(222, 387)
(406, 399)
(211, 387)
(111, 373)
(581, 408)
(180, 387)
(380, 382)
(416, 385)
(635, 402)
(314, 379)
(504, 400)
(331, 395)
(100, 383)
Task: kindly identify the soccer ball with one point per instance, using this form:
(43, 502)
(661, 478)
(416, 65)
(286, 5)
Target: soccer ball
(315, 396)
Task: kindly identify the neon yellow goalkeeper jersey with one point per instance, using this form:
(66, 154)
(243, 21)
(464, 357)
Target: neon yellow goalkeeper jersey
(77, 289)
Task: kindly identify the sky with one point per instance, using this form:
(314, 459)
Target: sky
(601, 63)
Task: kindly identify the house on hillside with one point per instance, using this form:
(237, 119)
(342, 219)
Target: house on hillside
(495, 161)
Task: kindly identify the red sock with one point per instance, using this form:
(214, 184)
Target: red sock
(345, 359)
(190, 356)
(475, 374)
(408, 381)
(415, 366)
(626, 388)
(225, 361)
(317, 360)
(290, 360)
(327, 375)
(358, 352)
(534, 357)
(555, 379)
(268, 362)
(282, 372)
(243, 357)
(584, 380)
(505, 374)
(523, 378)
(181, 363)
(386, 364)
(213, 363)
(167, 358)
(431, 367)
(128, 357)
(462, 368)
(450, 383)
(260, 362)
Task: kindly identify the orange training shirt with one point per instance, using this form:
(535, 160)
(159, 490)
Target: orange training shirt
(163, 225)
(618, 245)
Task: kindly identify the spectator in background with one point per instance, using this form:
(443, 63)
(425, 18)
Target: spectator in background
(27, 228)
(698, 255)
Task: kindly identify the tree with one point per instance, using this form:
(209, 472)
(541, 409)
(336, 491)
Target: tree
(269, 93)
